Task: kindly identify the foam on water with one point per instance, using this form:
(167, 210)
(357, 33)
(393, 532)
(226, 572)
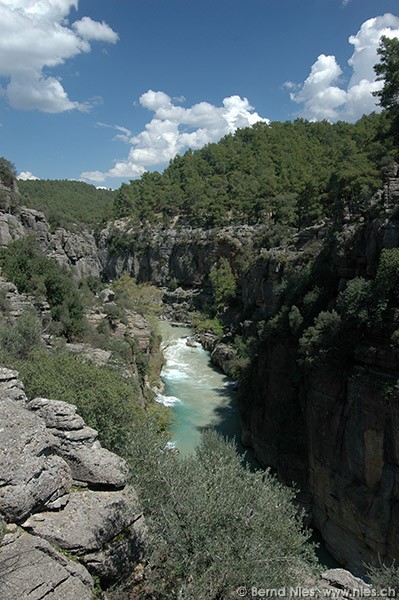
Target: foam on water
(167, 400)
(204, 395)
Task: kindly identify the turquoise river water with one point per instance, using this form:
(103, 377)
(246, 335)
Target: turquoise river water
(199, 395)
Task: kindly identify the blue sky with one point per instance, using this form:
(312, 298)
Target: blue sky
(101, 90)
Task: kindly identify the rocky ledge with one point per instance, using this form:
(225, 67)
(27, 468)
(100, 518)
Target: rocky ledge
(66, 513)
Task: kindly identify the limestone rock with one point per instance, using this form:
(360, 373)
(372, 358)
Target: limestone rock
(10, 229)
(29, 475)
(31, 568)
(11, 387)
(223, 356)
(95, 355)
(104, 529)
(344, 580)
(78, 446)
(107, 295)
(87, 522)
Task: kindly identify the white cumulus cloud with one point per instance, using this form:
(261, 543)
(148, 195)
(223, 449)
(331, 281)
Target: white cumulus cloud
(27, 175)
(325, 96)
(174, 129)
(35, 36)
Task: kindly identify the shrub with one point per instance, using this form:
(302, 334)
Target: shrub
(203, 324)
(386, 282)
(36, 274)
(320, 338)
(105, 400)
(231, 527)
(354, 302)
(19, 338)
(384, 578)
(142, 298)
(223, 283)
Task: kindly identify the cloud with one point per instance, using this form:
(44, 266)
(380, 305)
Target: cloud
(92, 30)
(324, 95)
(35, 36)
(27, 175)
(174, 129)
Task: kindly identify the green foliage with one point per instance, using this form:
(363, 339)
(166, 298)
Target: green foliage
(286, 174)
(321, 338)
(385, 579)
(223, 283)
(33, 273)
(67, 203)
(8, 172)
(143, 298)
(118, 241)
(387, 70)
(203, 324)
(295, 319)
(230, 527)
(105, 400)
(386, 283)
(19, 338)
(353, 303)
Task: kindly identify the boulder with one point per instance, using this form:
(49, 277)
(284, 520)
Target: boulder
(342, 579)
(31, 568)
(11, 387)
(78, 446)
(104, 529)
(30, 475)
(88, 520)
(224, 356)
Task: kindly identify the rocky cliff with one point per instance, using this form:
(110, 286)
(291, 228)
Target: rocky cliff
(333, 430)
(68, 517)
(75, 249)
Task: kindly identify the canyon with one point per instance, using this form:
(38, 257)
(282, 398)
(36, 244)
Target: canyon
(332, 429)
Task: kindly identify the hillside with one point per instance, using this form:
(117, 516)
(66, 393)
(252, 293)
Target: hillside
(67, 203)
(290, 174)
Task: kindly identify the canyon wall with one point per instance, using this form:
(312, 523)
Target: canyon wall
(333, 431)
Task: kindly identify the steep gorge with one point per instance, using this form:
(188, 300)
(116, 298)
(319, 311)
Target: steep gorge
(332, 428)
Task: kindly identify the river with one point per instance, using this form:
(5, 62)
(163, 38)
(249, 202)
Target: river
(199, 395)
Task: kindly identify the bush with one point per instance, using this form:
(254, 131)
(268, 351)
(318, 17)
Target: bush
(142, 298)
(321, 338)
(36, 274)
(203, 324)
(385, 577)
(223, 283)
(105, 400)
(231, 527)
(354, 302)
(19, 338)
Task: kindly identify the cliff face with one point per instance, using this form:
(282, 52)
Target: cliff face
(75, 249)
(185, 255)
(66, 512)
(335, 431)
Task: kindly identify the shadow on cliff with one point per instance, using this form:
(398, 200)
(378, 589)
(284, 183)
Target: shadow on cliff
(227, 421)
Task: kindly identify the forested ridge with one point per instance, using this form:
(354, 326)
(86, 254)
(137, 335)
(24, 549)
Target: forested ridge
(288, 173)
(66, 203)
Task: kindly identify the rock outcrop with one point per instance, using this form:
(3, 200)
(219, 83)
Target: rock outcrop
(68, 512)
(334, 431)
(185, 255)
